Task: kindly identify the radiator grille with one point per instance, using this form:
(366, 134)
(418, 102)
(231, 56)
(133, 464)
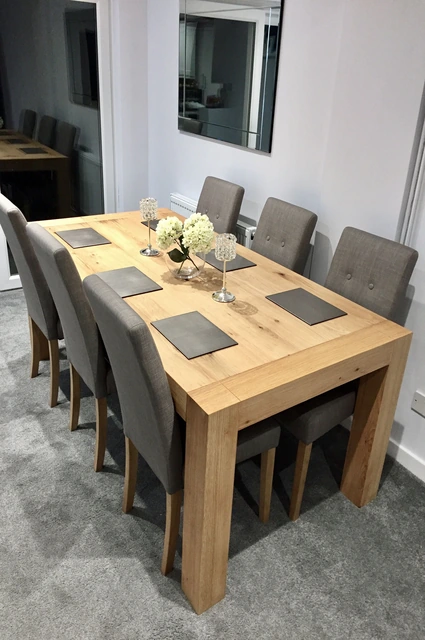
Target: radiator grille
(186, 206)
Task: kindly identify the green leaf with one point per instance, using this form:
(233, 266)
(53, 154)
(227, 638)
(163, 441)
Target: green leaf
(177, 256)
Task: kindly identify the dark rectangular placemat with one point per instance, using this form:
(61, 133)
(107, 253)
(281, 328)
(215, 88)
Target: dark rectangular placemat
(33, 150)
(154, 224)
(193, 334)
(79, 238)
(129, 281)
(306, 306)
(233, 265)
(16, 141)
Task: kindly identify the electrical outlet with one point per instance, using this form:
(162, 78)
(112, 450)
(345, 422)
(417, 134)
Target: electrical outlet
(418, 403)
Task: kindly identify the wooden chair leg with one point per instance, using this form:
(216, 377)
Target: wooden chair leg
(39, 347)
(172, 525)
(131, 461)
(75, 398)
(101, 430)
(266, 483)
(54, 372)
(301, 468)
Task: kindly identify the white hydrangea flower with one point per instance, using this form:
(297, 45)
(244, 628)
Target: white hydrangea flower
(167, 232)
(198, 233)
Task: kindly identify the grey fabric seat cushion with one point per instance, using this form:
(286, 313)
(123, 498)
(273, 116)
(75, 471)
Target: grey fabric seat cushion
(39, 300)
(372, 271)
(310, 420)
(283, 234)
(221, 201)
(259, 437)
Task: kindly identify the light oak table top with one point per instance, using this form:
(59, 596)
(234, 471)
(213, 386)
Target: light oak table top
(279, 362)
(14, 158)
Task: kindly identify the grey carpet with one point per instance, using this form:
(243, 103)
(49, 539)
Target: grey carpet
(72, 566)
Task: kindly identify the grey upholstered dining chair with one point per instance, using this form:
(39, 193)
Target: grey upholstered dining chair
(65, 138)
(221, 201)
(45, 329)
(375, 273)
(46, 130)
(85, 350)
(151, 425)
(283, 234)
(27, 121)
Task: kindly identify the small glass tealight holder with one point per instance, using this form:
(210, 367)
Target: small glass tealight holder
(225, 250)
(148, 212)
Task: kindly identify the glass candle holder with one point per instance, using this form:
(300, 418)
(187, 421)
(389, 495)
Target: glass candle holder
(225, 250)
(149, 211)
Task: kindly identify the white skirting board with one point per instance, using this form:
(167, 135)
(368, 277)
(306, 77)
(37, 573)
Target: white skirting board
(408, 459)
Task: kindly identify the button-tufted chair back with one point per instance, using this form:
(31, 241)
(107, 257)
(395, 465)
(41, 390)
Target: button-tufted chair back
(283, 234)
(372, 271)
(221, 201)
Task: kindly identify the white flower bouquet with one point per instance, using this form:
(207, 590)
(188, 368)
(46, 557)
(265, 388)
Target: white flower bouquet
(195, 235)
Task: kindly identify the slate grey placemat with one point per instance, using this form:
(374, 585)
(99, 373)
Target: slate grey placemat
(33, 150)
(84, 237)
(129, 281)
(16, 141)
(193, 334)
(233, 265)
(154, 224)
(306, 306)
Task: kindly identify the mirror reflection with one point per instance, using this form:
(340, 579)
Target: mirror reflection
(228, 63)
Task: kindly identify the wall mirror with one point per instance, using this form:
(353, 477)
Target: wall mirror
(228, 62)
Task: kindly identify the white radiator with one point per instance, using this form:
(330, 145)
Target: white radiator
(185, 206)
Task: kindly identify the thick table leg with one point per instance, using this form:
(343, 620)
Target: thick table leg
(63, 183)
(208, 495)
(370, 432)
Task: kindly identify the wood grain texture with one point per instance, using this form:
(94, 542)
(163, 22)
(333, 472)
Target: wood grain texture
(172, 525)
(12, 158)
(300, 475)
(54, 372)
(74, 398)
(209, 477)
(266, 483)
(39, 347)
(371, 428)
(279, 362)
(131, 464)
(101, 432)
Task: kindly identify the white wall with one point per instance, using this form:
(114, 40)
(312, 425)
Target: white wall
(130, 90)
(350, 82)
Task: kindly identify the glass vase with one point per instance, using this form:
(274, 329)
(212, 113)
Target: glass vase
(189, 268)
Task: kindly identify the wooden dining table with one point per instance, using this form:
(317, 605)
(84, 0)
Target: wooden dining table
(19, 153)
(279, 361)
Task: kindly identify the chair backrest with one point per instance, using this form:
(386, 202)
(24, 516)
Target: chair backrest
(189, 125)
(372, 271)
(65, 138)
(149, 418)
(84, 346)
(283, 234)
(221, 202)
(38, 297)
(46, 130)
(27, 122)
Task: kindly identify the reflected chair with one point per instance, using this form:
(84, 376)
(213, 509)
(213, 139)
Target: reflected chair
(373, 272)
(27, 122)
(283, 234)
(151, 425)
(46, 131)
(65, 138)
(45, 329)
(221, 201)
(85, 350)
